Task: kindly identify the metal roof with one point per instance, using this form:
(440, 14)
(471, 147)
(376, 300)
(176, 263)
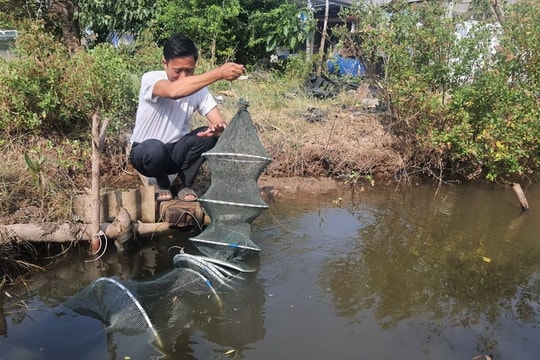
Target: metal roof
(319, 3)
(8, 34)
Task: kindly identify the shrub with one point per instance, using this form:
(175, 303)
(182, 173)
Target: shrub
(29, 85)
(458, 104)
(47, 88)
(98, 80)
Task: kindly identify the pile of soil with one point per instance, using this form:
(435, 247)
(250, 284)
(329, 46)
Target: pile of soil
(341, 144)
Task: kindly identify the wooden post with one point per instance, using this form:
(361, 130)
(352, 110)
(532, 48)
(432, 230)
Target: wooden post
(521, 196)
(3, 322)
(98, 139)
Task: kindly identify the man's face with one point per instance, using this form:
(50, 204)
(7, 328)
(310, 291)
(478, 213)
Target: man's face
(179, 68)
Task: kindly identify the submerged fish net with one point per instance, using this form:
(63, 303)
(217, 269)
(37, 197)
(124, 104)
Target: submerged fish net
(134, 307)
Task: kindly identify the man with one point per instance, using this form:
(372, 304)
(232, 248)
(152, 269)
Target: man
(162, 141)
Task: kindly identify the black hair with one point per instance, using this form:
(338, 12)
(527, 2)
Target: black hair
(179, 46)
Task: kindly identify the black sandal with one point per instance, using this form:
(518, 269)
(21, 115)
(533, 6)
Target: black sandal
(186, 192)
(164, 195)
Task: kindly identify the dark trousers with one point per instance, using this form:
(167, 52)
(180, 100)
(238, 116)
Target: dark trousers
(153, 158)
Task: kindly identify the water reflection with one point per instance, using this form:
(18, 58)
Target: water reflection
(436, 257)
(105, 324)
(413, 273)
(458, 259)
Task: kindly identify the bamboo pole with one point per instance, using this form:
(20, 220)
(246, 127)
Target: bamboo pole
(75, 232)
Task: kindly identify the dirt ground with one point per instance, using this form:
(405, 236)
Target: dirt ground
(343, 145)
(282, 186)
(270, 186)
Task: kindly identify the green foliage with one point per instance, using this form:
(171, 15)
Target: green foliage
(106, 16)
(49, 89)
(72, 154)
(213, 25)
(12, 11)
(28, 86)
(355, 178)
(460, 103)
(502, 129)
(35, 168)
(142, 55)
(297, 68)
(98, 79)
(500, 104)
(244, 31)
(281, 26)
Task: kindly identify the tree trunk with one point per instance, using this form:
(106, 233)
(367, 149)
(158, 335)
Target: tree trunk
(64, 12)
(323, 37)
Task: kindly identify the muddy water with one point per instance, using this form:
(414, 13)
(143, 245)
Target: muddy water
(380, 274)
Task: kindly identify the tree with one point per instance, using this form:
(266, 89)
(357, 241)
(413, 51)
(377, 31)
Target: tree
(69, 19)
(286, 25)
(213, 25)
(59, 17)
(104, 17)
(63, 11)
(12, 11)
(244, 30)
(323, 36)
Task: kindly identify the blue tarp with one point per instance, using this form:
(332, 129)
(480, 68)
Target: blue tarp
(346, 67)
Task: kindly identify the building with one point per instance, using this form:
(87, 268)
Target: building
(456, 7)
(7, 42)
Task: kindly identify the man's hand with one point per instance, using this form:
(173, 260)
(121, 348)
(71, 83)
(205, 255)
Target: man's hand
(214, 130)
(231, 71)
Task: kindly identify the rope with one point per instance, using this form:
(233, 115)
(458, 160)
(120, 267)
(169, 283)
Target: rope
(99, 235)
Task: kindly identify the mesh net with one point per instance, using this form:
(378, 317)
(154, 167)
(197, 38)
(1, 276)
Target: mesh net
(134, 307)
(233, 200)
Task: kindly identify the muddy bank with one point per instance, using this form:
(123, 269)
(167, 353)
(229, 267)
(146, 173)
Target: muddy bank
(313, 150)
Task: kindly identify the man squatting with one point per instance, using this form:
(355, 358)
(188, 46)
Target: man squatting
(163, 142)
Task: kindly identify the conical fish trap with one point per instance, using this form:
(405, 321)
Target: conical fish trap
(233, 200)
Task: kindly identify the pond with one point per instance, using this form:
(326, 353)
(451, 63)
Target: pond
(414, 272)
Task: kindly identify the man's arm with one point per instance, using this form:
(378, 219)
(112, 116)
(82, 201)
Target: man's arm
(216, 124)
(190, 84)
